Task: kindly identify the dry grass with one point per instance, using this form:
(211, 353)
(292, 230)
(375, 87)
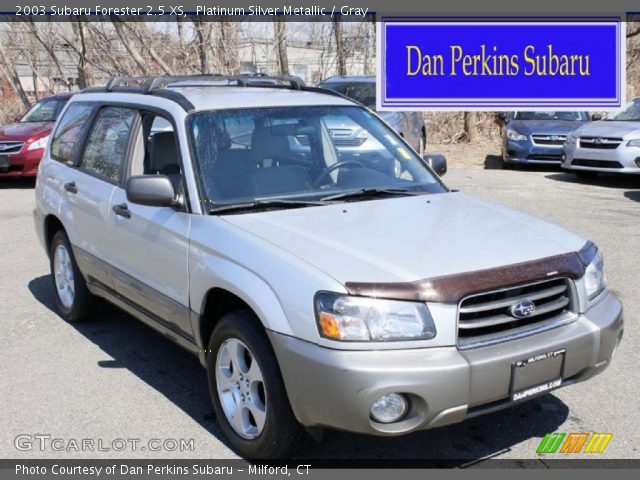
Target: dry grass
(479, 155)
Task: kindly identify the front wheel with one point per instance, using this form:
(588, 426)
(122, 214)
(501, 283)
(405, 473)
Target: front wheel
(73, 299)
(248, 394)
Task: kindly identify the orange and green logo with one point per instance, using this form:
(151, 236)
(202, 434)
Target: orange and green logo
(575, 442)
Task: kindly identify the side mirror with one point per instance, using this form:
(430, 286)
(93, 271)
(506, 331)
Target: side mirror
(596, 116)
(17, 118)
(151, 190)
(437, 162)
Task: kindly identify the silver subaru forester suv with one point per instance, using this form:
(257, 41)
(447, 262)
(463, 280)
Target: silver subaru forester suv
(319, 288)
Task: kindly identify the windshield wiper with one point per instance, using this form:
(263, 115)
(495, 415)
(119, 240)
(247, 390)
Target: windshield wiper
(372, 192)
(264, 205)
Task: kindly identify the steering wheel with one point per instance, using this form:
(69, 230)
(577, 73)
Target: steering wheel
(327, 171)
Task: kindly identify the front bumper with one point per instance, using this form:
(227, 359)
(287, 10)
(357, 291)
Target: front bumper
(619, 160)
(525, 152)
(22, 164)
(336, 388)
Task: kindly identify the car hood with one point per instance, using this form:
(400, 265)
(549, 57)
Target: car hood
(408, 238)
(527, 127)
(605, 128)
(25, 131)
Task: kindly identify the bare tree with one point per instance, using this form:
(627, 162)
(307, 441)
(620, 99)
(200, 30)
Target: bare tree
(280, 39)
(128, 44)
(470, 126)
(49, 46)
(10, 73)
(78, 30)
(203, 30)
(340, 53)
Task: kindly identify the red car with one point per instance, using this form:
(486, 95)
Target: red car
(22, 143)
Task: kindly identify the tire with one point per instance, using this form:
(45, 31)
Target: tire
(279, 433)
(585, 174)
(73, 299)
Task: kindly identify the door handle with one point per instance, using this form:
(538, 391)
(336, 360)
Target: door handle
(122, 210)
(71, 187)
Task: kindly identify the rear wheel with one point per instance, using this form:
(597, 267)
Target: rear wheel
(73, 299)
(248, 394)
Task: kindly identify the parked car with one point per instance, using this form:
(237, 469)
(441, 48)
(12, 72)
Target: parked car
(611, 144)
(536, 138)
(362, 88)
(360, 295)
(22, 143)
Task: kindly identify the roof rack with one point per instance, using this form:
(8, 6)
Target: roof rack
(147, 85)
(156, 85)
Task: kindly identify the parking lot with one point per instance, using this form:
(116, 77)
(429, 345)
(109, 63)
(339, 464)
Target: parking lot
(115, 378)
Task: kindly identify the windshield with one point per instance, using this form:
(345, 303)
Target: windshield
(362, 92)
(45, 111)
(566, 116)
(301, 153)
(630, 113)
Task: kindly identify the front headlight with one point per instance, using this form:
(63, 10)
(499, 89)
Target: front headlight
(364, 319)
(571, 138)
(634, 143)
(594, 279)
(513, 135)
(40, 143)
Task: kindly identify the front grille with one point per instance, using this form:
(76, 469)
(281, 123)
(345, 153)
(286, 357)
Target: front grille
(545, 157)
(601, 143)
(486, 318)
(548, 139)
(596, 163)
(8, 148)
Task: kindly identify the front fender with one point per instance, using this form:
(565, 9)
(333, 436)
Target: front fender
(278, 286)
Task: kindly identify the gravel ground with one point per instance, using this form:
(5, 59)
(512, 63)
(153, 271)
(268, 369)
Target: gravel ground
(115, 378)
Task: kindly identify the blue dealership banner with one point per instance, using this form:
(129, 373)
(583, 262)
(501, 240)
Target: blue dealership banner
(501, 65)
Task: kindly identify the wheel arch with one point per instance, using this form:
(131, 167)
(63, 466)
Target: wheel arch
(52, 224)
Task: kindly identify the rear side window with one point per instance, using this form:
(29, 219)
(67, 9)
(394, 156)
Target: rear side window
(108, 142)
(69, 131)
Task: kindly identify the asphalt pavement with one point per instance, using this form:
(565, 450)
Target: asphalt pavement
(115, 379)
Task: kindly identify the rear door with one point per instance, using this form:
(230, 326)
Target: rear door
(84, 198)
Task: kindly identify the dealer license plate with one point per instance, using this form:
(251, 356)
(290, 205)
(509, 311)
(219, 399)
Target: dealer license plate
(537, 375)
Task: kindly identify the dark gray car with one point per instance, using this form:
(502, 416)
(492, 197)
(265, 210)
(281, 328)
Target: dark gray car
(537, 137)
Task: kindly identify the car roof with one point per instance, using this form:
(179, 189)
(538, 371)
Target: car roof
(350, 78)
(59, 96)
(210, 97)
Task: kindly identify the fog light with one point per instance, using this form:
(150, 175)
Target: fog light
(389, 408)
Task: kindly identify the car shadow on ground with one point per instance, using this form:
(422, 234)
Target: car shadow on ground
(494, 162)
(17, 183)
(633, 195)
(609, 180)
(178, 376)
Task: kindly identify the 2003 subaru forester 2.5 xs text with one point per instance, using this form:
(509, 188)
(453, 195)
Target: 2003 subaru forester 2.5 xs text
(320, 286)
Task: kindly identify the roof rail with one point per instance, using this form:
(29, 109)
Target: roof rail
(147, 85)
(156, 85)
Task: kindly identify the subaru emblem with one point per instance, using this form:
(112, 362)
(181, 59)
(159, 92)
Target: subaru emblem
(523, 309)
